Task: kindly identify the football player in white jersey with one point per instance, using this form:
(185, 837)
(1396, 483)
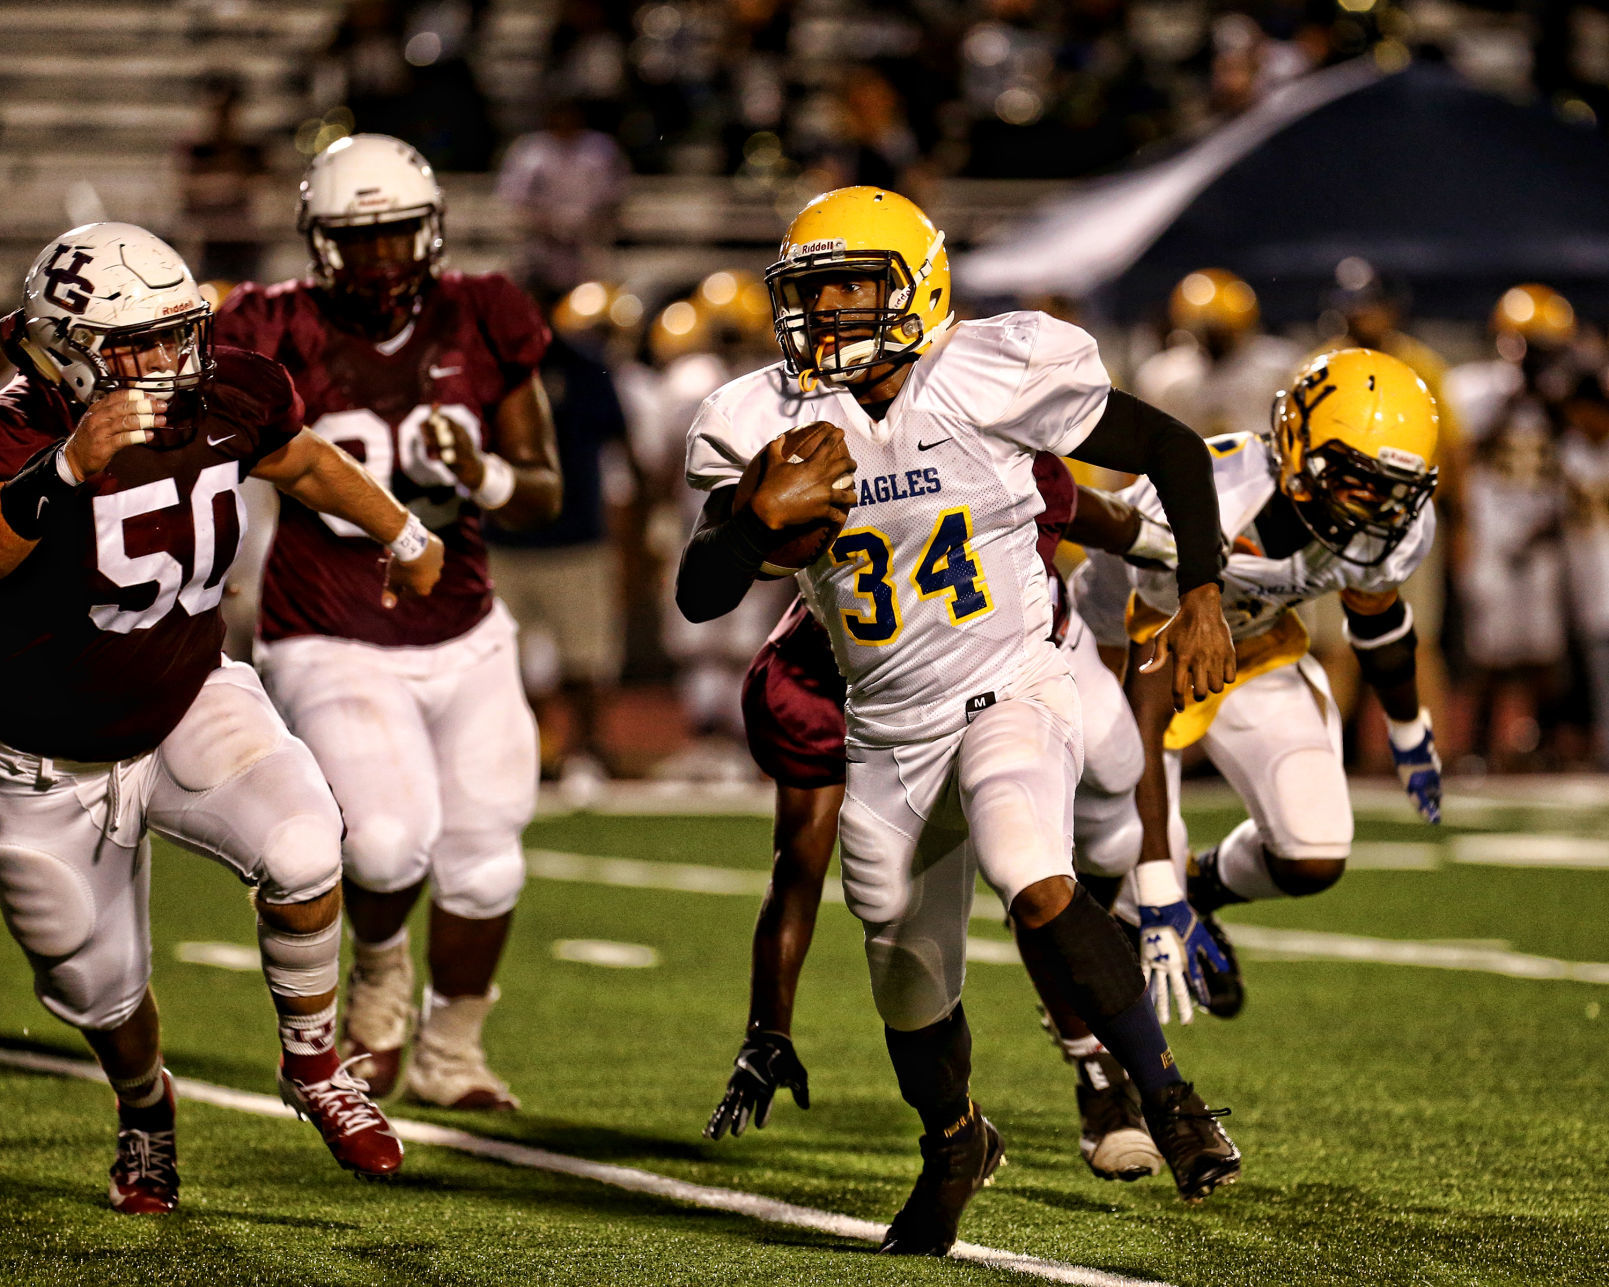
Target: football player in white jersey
(964, 737)
(1336, 501)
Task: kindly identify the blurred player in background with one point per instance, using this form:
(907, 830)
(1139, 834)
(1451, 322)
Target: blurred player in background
(963, 731)
(721, 331)
(563, 582)
(1337, 501)
(124, 440)
(1219, 368)
(1509, 568)
(793, 702)
(417, 716)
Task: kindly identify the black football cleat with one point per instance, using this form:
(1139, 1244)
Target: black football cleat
(1199, 1152)
(953, 1169)
(1113, 1139)
(1226, 992)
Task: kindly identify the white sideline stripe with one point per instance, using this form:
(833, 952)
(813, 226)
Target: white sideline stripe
(1528, 849)
(753, 1205)
(225, 956)
(1288, 944)
(1311, 945)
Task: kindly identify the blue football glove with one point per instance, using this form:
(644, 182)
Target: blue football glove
(1413, 747)
(1173, 945)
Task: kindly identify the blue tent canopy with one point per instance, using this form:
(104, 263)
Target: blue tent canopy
(1456, 192)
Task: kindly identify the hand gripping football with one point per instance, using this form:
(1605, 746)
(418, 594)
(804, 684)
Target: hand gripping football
(802, 544)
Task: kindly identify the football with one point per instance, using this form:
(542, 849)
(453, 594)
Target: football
(802, 544)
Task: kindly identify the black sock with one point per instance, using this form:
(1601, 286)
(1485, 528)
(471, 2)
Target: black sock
(1083, 957)
(934, 1067)
(1135, 1037)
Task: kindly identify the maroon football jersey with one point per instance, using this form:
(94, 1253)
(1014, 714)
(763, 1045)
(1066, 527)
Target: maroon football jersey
(476, 339)
(110, 626)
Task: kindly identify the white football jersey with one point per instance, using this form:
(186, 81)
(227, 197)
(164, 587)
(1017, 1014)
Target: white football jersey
(1258, 591)
(933, 592)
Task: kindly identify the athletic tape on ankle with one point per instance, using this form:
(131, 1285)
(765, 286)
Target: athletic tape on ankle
(150, 1081)
(300, 965)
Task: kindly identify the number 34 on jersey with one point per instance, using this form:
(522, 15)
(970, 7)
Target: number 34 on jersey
(946, 569)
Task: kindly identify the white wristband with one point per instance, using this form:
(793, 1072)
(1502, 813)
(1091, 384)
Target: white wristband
(411, 541)
(1407, 734)
(1156, 884)
(64, 468)
(497, 486)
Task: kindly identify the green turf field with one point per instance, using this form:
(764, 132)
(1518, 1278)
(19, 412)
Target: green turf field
(1400, 1124)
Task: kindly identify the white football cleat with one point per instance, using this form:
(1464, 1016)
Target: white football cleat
(449, 1068)
(379, 1013)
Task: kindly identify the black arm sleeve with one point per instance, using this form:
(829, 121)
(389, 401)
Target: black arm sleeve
(721, 558)
(1133, 437)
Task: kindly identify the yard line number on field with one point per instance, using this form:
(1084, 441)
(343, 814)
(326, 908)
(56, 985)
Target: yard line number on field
(753, 1205)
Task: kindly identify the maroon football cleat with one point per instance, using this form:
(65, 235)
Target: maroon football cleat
(356, 1132)
(145, 1172)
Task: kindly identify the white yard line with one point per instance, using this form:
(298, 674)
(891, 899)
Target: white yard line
(1290, 944)
(1311, 945)
(752, 1205)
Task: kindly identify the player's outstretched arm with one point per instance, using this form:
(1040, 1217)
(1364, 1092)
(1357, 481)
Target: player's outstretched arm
(1134, 437)
(323, 477)
(1103, 521)
(1174, 946)
(1379, 627)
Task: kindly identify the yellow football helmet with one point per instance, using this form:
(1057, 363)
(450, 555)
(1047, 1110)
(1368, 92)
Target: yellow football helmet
(1538, 314)
(737, 305)
(597, 306)
(1355, 436)
(1213, 299)
(859, 232)
(680, 328)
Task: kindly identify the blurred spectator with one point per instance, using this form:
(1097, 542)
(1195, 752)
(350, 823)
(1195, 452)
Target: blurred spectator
(1219, 372)
(563, 582)
(363, 69)
(1510, 565)
(871, 142)
(1584, 461)
(565, 184)
(218, 171)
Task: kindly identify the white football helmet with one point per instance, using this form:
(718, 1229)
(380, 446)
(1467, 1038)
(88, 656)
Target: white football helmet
(364, 180)
(105, 286)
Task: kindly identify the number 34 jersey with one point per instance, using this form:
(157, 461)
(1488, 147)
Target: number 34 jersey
(110, 626)
(933, 593)
(475, 340)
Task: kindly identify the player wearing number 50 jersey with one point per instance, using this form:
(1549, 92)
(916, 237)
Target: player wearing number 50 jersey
(124, 442)
(417, 716)
(963, 731)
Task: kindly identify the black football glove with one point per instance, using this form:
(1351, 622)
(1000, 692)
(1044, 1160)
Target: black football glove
(764, 1065)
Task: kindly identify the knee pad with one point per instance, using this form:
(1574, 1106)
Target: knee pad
(1308, 814)
(49, 907)
(916, 980)
(300, 965)
(1106, 833)
(384, 853)
(477, 877)
(1302, 876)
(1113, 757)
(876, 870)
(69, 992)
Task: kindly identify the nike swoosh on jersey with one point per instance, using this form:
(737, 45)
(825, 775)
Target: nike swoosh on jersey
(218, 442)
(442, 372)
(928, 446)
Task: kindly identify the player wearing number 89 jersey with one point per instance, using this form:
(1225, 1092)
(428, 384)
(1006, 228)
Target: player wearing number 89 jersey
(124, 442)
(416, 714)
(964, 738)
